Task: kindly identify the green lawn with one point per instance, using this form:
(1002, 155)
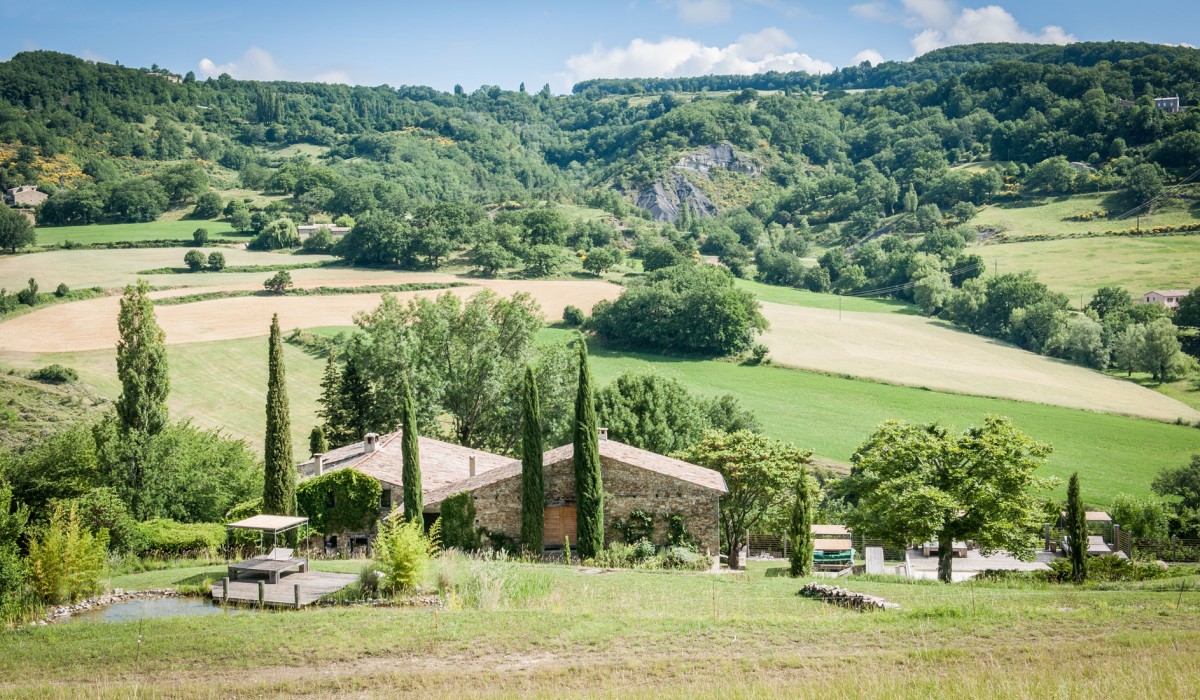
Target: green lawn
(554, 631)
(833, 415)
(802, 297)
(1045, 215)
(109, 233)
(1079, 266)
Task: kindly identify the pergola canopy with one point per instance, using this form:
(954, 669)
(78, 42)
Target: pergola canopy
(269, 523)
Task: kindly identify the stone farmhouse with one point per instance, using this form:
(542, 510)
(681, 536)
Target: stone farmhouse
(634, 479)
(25, 196)
(1167, 297)
(307, 230)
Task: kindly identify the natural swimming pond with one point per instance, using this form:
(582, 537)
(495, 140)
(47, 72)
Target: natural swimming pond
(142, 608)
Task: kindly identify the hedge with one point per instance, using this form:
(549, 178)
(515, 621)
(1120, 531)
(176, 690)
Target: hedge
(169, 537)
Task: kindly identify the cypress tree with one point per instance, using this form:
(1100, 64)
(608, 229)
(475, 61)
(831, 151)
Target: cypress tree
(317, 444)
(533, 496)
(800, 530)
(142, 406)
(356, 399)
(589, 487)
(1077, 530)
(330, 404)
(279, 473)
(410, 450)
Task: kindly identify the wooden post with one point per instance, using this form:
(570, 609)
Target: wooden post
(225, 590)
(296, 589)
(262, 594)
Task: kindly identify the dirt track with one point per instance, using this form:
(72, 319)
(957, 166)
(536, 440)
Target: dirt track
(92, 324)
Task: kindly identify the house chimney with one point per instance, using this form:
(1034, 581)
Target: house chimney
(602, 432)
(369, 442)
(318, 463)
(471, 465)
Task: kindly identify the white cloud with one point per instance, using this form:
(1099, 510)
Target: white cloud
(255, 64)
(704, 11)
(332, 76)
(259, 64)
(942, 23)
(876, 11)
(871, 55)
(762, 51)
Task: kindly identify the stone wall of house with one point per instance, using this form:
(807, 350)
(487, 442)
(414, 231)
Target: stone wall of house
(627, 488)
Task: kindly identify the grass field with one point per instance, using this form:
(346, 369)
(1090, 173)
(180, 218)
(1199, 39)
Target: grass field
(1079, 266)
(221, 386)
(802, 297)
(116, 268)
(833, 415)
(554, 631)
(153, 231)
(1045, 215)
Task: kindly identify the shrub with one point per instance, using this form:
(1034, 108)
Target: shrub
(62, 290)
(321, 241)
(758, 354)
(162, 536)
(458, 523)
(55, 374)
(279, 283)
(216, 261)
(573, 315)
(102, 509)
(29, 295)
(402, 552)
(637, 528)
(678, 534)
(208, 206)
(200, 237)
(194, 260)
(66, 560)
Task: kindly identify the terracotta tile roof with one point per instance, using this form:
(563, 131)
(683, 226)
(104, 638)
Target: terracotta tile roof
(617, 451)
(442, 463)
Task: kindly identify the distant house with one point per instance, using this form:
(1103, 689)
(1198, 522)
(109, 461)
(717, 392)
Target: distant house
(634, 479)
(1168, 104)
(1080, 165)
(25, 196)
(309, 229)
(1167, 297)
(169, 77)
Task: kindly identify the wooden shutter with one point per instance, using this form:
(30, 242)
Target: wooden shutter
(559, 524)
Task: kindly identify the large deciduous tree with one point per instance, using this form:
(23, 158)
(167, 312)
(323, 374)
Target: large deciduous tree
(1077, 530)
(759, 473)
(466, 361)
(15, 230)
(914, 483)
(533, 492)
(279, 475)
(589, 484)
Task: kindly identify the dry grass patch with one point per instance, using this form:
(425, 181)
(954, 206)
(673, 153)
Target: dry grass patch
(921, 352)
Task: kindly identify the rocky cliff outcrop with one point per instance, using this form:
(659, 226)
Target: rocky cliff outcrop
(666, 197)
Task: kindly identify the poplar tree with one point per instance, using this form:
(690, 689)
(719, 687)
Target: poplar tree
(1077, 530)
(279, 473)
(410, 451)
(330, 404)
(800, 530)
(589, 487)
(142, 405)
(533, 495)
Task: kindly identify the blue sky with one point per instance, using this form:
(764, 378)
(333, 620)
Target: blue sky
(506, 43)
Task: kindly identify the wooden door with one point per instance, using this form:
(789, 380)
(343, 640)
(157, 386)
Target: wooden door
(559, 524)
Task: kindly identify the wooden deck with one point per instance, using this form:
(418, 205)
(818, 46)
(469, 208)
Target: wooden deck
(313, 585)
